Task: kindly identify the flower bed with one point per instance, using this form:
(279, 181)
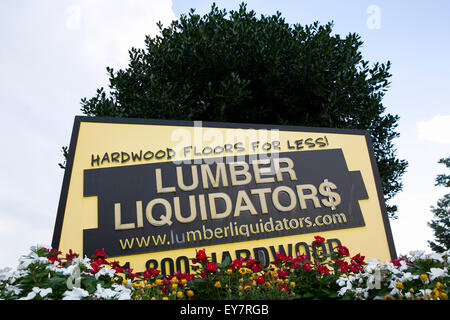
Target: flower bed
(46, 274)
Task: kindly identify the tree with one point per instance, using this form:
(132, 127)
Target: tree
(235, 67)
(441, 222)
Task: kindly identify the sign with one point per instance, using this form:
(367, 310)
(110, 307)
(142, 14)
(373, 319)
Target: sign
(150, 192)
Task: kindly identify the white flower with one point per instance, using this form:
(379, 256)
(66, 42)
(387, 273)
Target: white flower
(417, 255)
(436, 256)
(105, 271)
(35, 291)
(40, 246)
(75, 294)
(424, 292)
(5, 274)
(25, 261)
(10, 288)
(342, 291)
(83, 261)
(342, 281)
(408, 276)
(395, 291)
(124, 293)
(104, 293)
(371, 265)
(436, 273)
(348, 286)
(403, 265)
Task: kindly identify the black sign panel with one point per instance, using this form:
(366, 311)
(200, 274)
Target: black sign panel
(166, 206)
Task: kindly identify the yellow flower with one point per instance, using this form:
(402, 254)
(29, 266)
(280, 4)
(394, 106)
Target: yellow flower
(124, 282)
(174, 286)
(174, 280)
(424, 277)
(240, 288)
(286, 280)
(247, 287)
(292, 284)
(439, 286)
(443, 296)
(180, 294)
(183, 281)
(435, 293)
(158, 282)
(190, 293)
(217, 284)
(271, 275)
(229, 271)
(399, 285)
(165, 298)
(241, 280)
(241, 271)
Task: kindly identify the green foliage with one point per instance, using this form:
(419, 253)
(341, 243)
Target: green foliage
(236, 67)
(441, 221)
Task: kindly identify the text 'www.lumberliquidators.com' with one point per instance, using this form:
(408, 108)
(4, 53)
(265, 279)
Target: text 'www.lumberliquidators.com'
(232, 230)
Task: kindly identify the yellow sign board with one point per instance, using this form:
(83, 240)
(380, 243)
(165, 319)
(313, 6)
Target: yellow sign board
(150, 192)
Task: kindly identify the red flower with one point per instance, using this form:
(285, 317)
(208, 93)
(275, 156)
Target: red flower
(342, 265)
(95, 268)
(99, 254)
(307, 266)
(319, 239)
(115, 266)
(237, 264)
(343, 251)
(283, 287)
(256, 267)
(54, 259)
(150, 273)
(100, 261)
(260, 280)
(52, 255)
(131, 274)
(282, 273)
(201, 255)
(71, 255)
(211, 266)
(322, 269)
(358, 259)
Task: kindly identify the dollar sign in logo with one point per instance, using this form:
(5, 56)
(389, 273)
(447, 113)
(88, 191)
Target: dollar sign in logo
(334, 199)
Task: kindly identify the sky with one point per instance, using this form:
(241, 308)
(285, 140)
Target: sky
(53, 53)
